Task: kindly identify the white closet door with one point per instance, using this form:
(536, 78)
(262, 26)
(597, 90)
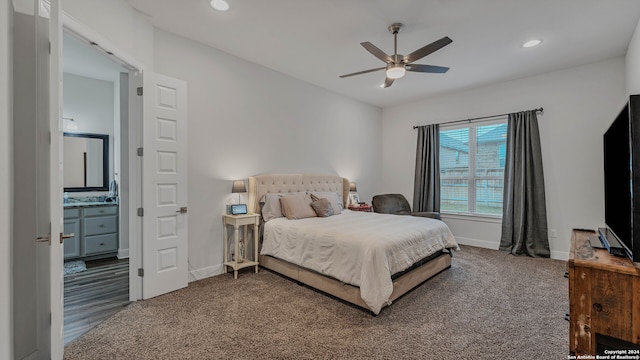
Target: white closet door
(164, 178)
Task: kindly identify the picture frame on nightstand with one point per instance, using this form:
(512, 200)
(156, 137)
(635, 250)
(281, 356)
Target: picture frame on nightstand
(354, 198)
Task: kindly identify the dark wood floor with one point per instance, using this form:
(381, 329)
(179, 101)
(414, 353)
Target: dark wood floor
(94, 295)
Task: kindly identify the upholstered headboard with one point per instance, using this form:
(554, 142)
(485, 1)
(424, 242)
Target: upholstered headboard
(283, 183)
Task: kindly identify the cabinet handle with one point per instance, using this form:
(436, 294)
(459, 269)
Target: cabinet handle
(101, 225)
(597, 307)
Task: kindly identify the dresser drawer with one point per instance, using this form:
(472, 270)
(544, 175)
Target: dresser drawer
(100, 244)
(100, 211)
(100, 225)
(71, 213)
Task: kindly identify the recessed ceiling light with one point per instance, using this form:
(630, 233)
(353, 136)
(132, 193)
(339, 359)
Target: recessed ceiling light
(532, 43)
(220, 5)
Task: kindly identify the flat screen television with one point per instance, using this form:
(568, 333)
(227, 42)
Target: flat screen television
(622, 183)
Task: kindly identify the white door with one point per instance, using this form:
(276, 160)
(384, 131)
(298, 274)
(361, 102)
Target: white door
(56, 283)
(37, 304)
(164, 183)
(37, 247)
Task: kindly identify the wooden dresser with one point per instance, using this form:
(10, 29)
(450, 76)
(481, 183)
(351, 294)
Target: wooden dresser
(604, 296)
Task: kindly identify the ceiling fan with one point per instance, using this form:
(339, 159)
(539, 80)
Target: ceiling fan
(398, 64)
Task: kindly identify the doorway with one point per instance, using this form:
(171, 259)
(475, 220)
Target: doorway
(95, 111)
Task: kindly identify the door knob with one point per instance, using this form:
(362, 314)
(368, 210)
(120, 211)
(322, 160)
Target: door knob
(183, 210)
(66, 236)
(44, 239)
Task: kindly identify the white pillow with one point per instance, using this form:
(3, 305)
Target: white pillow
(333, 198)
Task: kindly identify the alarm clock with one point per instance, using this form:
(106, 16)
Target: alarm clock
(238, 209)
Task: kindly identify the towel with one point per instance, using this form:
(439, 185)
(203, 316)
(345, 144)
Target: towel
(113, 189)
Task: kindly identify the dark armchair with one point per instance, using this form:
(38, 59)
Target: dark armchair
(397, 204)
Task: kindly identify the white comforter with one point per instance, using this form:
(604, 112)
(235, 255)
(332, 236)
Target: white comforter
(361, 249)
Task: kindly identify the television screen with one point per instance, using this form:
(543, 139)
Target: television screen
(618, 178)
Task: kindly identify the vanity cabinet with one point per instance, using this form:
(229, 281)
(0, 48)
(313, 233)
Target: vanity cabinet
(95, 229)
(72, 226)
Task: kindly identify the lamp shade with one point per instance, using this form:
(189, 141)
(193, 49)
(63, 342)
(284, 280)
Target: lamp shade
(352, 187)
(238, 187)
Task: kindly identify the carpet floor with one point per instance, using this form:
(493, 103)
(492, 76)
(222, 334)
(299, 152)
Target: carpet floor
(488, 305)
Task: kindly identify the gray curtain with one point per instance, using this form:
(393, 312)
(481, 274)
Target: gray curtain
(524, 214)
(426, 188)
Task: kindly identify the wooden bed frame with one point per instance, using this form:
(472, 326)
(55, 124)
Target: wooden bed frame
(283, 183)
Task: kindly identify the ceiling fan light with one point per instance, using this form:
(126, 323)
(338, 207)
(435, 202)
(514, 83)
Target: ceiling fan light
(532, 43)
(220, 5)
(395, 71)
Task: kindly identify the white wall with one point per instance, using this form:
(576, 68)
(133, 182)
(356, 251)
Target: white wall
(245, 119)
(6, 173)
(118, 23)
(579, 104)
(91, 103)
(632, 61)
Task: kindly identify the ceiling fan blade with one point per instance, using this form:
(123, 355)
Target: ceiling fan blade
(426, 50)
(387, 82)
(427, 68)
(362, 72)
(377, 52)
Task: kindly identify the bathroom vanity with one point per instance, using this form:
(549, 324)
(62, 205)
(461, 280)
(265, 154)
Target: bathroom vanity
(95, 226)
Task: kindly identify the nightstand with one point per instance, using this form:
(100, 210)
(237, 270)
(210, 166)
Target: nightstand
(361, 207)
(239, 260)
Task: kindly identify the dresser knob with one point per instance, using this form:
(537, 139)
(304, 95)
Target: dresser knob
(101, 225)
(597, 307)
(101, 244)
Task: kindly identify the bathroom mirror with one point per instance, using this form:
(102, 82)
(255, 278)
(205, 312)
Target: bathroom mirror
(86, 162)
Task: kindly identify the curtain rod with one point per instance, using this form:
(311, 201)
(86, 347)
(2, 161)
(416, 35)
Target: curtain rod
(478, 118)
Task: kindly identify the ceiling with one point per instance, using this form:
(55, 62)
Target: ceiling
(318, 40)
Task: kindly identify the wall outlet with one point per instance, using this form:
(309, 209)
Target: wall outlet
(553, 233)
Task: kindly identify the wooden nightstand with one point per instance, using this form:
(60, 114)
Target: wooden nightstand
(361, 207)
(239, 260)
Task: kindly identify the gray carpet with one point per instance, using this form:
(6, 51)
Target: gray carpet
(489, 305)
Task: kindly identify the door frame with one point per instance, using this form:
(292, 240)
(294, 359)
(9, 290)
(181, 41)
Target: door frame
(134, 124)
(6, 158)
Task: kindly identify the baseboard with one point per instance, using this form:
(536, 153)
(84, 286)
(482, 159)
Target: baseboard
(477, 243)
(203, 273)
(557, 255)
(123, 253)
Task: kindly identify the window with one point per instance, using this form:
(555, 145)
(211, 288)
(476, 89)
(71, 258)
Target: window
(472, 169)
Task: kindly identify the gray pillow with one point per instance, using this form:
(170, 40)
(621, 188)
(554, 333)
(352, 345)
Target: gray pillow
(333, 198)
(322, 207)
(297, 206)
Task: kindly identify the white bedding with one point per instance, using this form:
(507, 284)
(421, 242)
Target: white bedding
(358, 248)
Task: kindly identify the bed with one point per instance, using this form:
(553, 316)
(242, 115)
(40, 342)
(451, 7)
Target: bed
(366, 259)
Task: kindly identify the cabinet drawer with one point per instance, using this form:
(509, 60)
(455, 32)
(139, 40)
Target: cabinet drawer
(72, 245)
(100, 225)
(71, 213)
(100, 211)
(100, 244)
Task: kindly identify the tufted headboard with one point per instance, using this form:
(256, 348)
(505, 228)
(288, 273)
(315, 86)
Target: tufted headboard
(283, 183)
